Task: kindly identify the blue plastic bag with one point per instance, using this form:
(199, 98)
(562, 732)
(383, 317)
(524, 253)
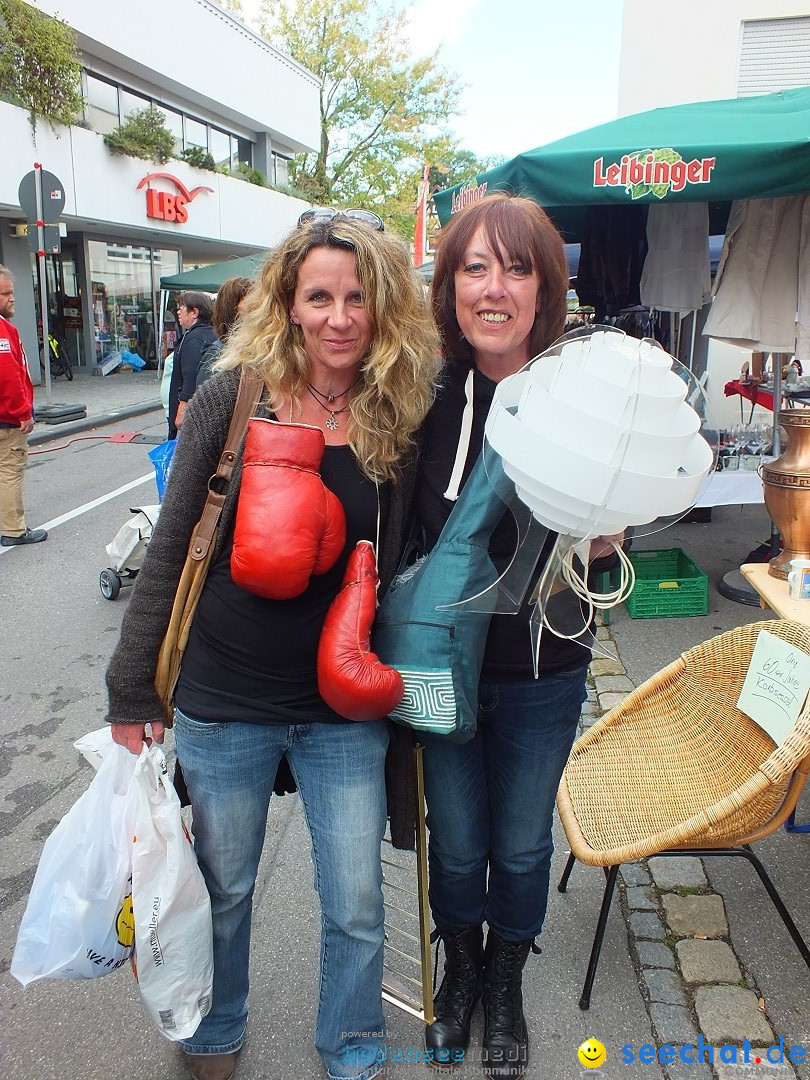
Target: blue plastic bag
(133, 360)
(162, 457)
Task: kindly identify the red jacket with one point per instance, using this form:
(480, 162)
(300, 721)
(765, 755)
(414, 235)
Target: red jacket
(16, 390)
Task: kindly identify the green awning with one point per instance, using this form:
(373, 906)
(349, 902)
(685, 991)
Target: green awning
(709, 151)
(209, 278)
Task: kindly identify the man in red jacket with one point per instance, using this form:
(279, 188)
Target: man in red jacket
(16, 424)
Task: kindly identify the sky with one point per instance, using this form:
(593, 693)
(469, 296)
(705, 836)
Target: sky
(533, 70)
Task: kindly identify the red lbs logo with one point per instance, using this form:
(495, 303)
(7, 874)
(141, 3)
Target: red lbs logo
(167, 205)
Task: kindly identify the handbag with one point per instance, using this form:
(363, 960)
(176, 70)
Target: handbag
(439, 653)
(201, 547)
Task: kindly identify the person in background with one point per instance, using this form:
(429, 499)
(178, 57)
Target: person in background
(226, 309)
(16, 424)
(194, 315)
(499, 297)
(338, 330)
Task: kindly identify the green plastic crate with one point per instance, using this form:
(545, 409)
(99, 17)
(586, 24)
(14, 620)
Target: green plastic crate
(668, 584)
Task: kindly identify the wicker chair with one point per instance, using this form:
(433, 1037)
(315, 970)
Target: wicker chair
(677, 769)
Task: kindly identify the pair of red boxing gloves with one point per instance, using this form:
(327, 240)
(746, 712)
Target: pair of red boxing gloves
(275, 552)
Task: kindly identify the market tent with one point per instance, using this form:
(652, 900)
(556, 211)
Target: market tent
(709, 151)
(209, 278)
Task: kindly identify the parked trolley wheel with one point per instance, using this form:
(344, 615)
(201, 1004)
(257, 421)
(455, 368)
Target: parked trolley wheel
(110, 584)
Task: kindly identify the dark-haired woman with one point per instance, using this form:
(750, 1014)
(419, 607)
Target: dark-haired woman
(227, 307)
(499, 297)
(194, 312)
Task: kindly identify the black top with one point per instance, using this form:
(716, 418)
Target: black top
(254, 660)
(508, 654)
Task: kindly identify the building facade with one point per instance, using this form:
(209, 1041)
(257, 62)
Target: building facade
(127, 222)
(699, 51)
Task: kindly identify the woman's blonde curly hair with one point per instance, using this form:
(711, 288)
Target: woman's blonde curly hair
(399, 374)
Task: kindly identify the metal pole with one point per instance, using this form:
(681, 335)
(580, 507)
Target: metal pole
(776, 361)
(692, 340)
(43, 286)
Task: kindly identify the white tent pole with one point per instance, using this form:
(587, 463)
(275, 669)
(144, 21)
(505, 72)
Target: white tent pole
(692, 342)
(161, 313)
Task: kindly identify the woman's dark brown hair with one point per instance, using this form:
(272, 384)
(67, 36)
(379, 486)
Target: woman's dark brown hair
(526, 232)
(226, 306)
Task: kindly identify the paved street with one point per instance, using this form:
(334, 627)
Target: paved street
(58, 634)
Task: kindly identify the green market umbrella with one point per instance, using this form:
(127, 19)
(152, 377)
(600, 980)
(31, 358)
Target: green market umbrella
(210, 278)
(709, 151)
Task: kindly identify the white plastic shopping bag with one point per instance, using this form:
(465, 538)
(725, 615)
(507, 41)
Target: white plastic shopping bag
(174, 953)
(95, 745)
(78, 922)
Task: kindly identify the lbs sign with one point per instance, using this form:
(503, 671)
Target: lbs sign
(169, 205)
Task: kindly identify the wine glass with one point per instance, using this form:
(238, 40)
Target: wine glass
(760, 439)
(739, 439)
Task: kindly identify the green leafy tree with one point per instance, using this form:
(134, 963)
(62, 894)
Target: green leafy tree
(143, 135)
(233, 7)
(382, 113)
(40, 68)
(458, 167)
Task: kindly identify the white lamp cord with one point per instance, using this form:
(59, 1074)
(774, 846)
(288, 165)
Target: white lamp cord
(595, 601)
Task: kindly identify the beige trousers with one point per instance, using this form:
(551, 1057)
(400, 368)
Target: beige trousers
(13, 459)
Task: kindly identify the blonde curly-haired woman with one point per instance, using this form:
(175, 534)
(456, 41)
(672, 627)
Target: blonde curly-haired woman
(337, 327)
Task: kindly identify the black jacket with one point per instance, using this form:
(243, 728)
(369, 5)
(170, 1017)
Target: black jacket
(187, 359)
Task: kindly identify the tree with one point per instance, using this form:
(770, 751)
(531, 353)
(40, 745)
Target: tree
(233, 7)
(382, 113)
(457, 167)
(40, 68)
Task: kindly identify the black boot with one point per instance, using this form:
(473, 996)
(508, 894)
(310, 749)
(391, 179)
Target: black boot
(449, 1035)
(506, 1038)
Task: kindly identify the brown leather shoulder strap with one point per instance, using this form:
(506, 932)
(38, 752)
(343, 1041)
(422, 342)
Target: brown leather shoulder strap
(247, 397)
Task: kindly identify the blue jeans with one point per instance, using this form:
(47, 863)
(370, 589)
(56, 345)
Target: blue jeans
(339, 769)
(491, 804)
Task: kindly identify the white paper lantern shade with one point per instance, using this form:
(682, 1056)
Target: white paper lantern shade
(599, 436)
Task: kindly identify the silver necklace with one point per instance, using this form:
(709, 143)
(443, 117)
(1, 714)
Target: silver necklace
(331, 421)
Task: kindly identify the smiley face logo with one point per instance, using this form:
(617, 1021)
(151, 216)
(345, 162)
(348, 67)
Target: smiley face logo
(125, 923)
(592, 1054)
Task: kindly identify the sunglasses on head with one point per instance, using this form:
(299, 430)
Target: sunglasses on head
(319, 215)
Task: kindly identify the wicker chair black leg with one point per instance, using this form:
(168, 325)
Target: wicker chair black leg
(569, 866)
(610, 884)
(784, 914)
(745, 852)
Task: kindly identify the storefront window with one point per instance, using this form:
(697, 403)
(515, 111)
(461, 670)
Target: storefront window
(244, 151)
(174, 122)
(220, 145)
(131, 103)
(166, 262)
(196, 133)
(125, 313)
(102, 104)
(282, 170)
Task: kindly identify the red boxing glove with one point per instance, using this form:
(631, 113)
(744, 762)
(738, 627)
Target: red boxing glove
(352, 679)
(289, 525)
